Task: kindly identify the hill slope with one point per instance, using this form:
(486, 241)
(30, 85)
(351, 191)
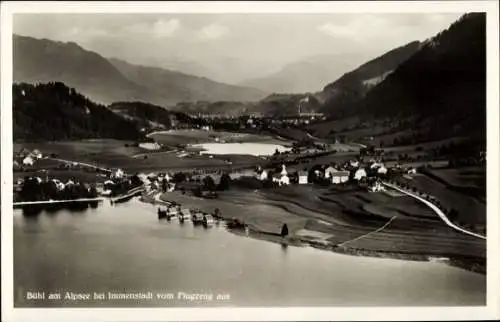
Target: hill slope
(353, 86)
(54, 111)
(148, 116)
(437, 93)
(443, 83)
(43, 60)
(179, 87)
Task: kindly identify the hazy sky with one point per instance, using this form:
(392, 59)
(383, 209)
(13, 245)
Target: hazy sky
(244, 44)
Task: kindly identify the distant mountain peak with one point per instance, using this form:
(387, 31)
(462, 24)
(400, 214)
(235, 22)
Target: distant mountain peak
(106, 81)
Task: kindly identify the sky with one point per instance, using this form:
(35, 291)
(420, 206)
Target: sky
(233, 47)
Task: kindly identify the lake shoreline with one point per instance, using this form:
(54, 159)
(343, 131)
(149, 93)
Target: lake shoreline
(259, 231)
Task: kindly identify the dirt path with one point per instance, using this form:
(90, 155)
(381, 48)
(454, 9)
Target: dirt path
(372, 232)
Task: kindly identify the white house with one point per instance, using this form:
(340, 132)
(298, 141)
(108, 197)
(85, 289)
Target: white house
(284, 180)
(28, 160)
(340, 177)
(382, 170)
(59, 185)
(329, 171)
(354, 163)
(376, 187)
(37, 154)
(263, 175)
(118, 174)
(303, 177)
(359, 174)
(376, 165)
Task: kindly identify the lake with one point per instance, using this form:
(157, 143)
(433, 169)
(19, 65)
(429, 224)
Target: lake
(256, 149)
(125, 249)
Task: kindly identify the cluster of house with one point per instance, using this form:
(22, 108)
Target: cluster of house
(351, 170)
(26, 157)
(60, 185)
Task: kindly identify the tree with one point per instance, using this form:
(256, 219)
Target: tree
(225, 181)
(284, 230)
(209, 183)
(179, 177)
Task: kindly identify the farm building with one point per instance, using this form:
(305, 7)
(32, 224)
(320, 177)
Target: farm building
(303, 177)
(354, 163)
(28, 160)
(382, 170)
(284, 180)
(376, 187)
(329, 171)
(118, 174)
(262, 175)
(359, 174)
(340, 177)
(37, 154)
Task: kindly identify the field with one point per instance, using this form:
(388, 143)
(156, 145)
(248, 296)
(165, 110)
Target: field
(114, 154)
(474, 177)
(343, 215)
(471, 211)
(183, 137)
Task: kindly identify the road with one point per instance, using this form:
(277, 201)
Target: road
(436, 210)
(140, 155)
(81, 163)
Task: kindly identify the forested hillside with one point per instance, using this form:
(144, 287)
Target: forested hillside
(149, 115)
(444, 83)
(54, 111)
(437, 93)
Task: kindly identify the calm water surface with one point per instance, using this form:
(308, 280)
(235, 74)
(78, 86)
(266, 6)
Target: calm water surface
(124, 248)
(256, 149)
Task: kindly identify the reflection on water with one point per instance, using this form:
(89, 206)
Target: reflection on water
(125, 248)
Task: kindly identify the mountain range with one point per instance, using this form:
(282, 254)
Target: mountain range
(439, 81)
(109, 80)
(307, 75)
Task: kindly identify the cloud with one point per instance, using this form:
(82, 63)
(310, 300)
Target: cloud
(159, 29)
(82, 34)
(213, 31)
(163, 28)
(334, 30)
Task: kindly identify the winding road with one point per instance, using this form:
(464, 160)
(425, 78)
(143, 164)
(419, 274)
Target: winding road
(436, 210)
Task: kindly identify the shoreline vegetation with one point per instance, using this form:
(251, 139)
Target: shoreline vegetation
(265, 229)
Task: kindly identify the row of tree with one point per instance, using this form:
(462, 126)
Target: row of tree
(34, 190)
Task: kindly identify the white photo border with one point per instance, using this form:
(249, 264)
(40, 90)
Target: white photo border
(490, 311)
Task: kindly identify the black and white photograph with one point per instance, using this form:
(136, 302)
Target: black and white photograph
(248, 156)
